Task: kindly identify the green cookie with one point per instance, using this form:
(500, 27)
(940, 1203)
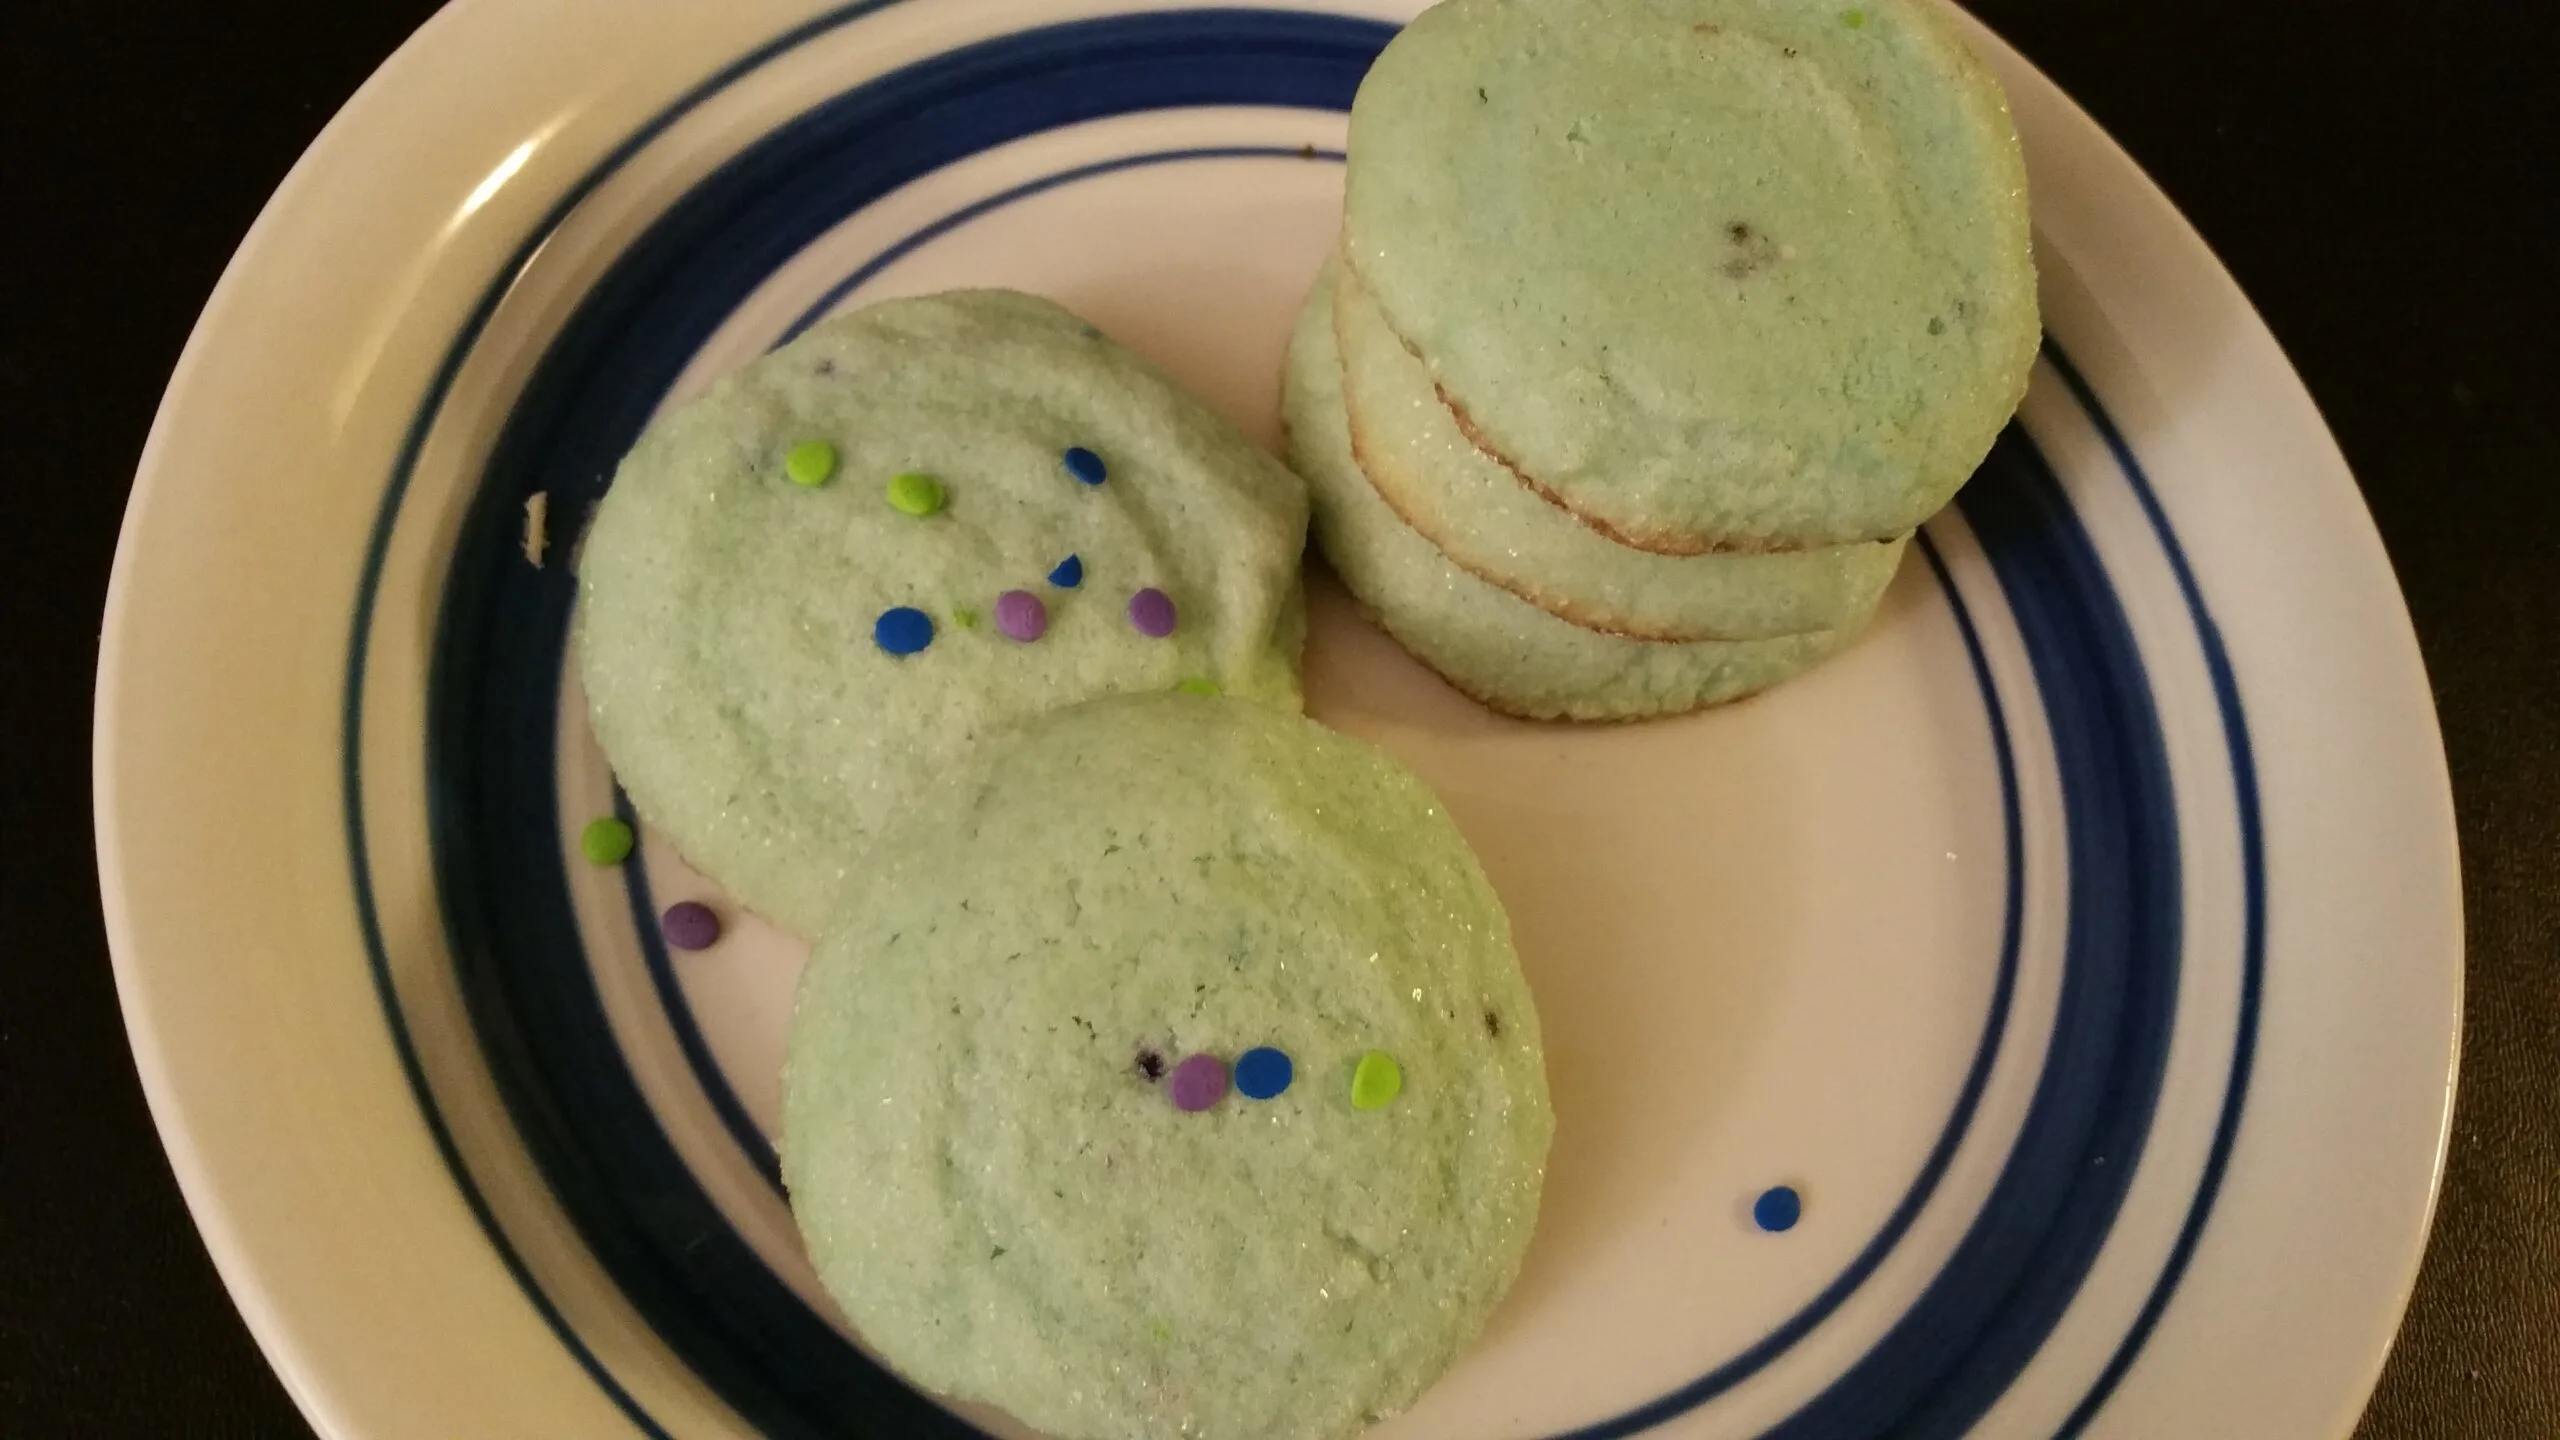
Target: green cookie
(731, 610)
(1715, 274)
(1484, 640)
(979, 1135)
(1480, 515)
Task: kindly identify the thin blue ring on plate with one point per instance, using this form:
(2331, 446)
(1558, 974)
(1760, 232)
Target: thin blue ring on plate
(493, 707)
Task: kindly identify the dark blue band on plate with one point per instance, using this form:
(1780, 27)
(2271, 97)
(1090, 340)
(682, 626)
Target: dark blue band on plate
(1951, 1354)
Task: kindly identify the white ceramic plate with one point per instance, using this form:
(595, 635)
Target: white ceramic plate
(2083, 946)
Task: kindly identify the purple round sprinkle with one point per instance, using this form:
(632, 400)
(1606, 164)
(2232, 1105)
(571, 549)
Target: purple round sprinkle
(690, 925)
(1151, 610)
(1199, 1082)
(1020, 615)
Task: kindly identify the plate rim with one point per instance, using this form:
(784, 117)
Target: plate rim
(159, 470)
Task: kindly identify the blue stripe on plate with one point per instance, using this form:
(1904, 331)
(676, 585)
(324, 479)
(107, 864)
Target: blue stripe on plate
(1978, 1324)
(743, 1130)
(493, 707)
(862, 274)
(359, 639)
(2253, 879)
(1760, 1353)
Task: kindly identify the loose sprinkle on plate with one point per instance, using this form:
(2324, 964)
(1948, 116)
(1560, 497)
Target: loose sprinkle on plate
(690, 925)
(1777, 1209)
(606, 841)
(537, 526)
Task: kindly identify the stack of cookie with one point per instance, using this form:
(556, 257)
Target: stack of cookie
(1656, 328)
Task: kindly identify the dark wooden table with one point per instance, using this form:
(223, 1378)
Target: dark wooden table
(2384, 179)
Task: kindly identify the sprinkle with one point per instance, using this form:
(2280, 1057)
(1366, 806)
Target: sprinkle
(915, 494)
(1069, 574)
(1376, 1081)
(810, 464)
(1854, 19)
(903, 631)
(1263, 1072)
(1021, 616)
(690, 925)
(537, 525)
(1151, 610)
(1086, 466)
(1778, 1208)
(966, 618)
(606, 841)
(1198, 685)
(1199, 1082)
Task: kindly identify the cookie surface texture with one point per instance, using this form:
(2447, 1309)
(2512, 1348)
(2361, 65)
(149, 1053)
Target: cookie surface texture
(1716, 274)
(1021, 1178)
(776, 657)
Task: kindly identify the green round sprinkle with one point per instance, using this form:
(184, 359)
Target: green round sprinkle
(606, 841)
(965, 618)
(810, 464)
(1198, 685)
(1376, 1081)
(915, 494)
(1854, 19)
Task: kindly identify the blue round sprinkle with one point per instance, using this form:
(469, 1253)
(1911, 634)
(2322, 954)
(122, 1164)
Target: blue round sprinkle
(1085, 465)
(903, 631)
(1262, 1072)
(1069, 574)
(1778, 1208)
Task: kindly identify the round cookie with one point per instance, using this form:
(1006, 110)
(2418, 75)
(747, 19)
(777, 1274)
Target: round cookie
(1486, 641)
(1009, 1135)
(1479, 514)
(1714, 274)
(781, 640)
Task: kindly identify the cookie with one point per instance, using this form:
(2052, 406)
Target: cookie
(1714, 274)
(1476, 511)
(817, 585)
(1169, 1072)
(1486, 641)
